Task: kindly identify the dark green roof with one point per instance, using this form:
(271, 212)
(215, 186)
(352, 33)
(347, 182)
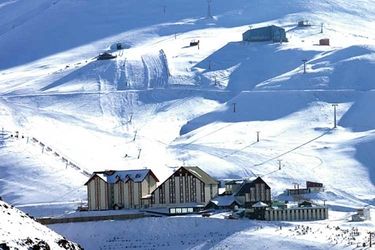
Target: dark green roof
(200, 174)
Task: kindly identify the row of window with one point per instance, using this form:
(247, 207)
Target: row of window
(258, 193)
(181, 210)
(298, 214)
(187, 192)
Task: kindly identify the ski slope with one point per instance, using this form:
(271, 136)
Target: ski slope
(162, 103)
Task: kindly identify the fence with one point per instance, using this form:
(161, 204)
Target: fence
(48, 221)
(68, 162)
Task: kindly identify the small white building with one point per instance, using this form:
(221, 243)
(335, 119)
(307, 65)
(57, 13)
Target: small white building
(362, 214)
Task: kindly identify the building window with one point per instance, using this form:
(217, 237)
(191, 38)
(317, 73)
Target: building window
(193, 190)
(257, 192)
(187, 181)
(112, 193)
(181, 189)
(262, 192)
(203, 198)
(161, 194)
(252, 194)
(131, 194)
(172, 190)
(268, 195)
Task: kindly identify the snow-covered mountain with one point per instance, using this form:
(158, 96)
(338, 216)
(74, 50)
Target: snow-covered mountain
(161, 103)
(19, 231)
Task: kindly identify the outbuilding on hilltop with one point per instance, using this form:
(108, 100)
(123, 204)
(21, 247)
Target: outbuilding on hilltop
(269, 33)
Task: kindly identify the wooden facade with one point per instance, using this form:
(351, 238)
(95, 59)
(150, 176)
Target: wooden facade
(187, 185)
(254, 191)
(98, 198)
(120, 189)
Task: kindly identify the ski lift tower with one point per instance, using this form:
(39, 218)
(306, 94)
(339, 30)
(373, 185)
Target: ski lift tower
(209, 13)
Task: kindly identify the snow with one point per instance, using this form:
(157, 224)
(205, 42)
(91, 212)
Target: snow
(19, 231)
(225, 200)
(216, 233)
(135, 175)
(162, 104)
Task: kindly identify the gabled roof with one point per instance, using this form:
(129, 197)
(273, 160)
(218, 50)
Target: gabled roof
(234, 182)
(196, 171)
(224, 201)
(113, 176)
(200, 174)
(260, 204)
(245, 188)
(268, 27)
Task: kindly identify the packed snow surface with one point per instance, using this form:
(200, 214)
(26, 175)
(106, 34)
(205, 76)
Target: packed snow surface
(161, 103)
(216, 233)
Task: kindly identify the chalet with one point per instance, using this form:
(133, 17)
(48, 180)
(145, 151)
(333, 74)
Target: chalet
(270, 33)
(252, 192)
(242, 193)
(115, 189)
(187, 190)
